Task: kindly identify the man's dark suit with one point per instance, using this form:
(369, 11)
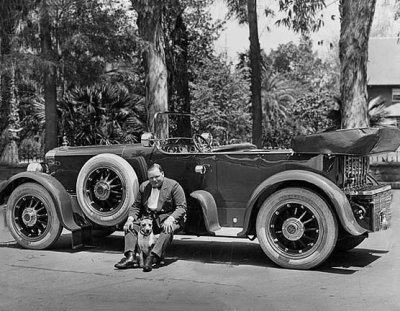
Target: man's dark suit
(171, 202)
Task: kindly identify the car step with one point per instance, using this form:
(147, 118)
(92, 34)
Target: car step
(228, 231)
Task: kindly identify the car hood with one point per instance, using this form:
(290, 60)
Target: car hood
(359, 141)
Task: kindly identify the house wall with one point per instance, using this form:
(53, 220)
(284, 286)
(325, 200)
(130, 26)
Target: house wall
(383, 90)
(387, 173)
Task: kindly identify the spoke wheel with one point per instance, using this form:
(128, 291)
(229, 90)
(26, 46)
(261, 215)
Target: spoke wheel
(106, 187)
(32, 218)
(296, 228)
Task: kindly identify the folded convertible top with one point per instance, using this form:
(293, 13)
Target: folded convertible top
(359, 141)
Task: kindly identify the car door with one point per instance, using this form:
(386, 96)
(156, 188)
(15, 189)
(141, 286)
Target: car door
(237, 176)
(193, 172)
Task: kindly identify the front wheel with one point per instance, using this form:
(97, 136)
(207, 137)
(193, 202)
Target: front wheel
(32, 217)
(296, 228)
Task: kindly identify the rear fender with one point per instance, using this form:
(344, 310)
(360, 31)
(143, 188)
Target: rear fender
(60, 196)
(334, 194)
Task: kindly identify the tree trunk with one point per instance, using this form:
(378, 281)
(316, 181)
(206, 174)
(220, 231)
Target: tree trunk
(150, 30)
(10, 152)
(181, 77)
(255, 73)
(5, 50)
(356, 20)
(49, 79)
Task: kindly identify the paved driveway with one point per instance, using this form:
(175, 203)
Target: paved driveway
(201, 274)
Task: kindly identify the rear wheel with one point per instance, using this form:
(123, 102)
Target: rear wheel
(32, 217)
(296, 228)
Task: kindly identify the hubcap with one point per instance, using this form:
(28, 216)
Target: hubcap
(102, 190)
(293, 229)
(29, 217)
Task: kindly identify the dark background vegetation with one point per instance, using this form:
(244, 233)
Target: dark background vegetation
(92, 57)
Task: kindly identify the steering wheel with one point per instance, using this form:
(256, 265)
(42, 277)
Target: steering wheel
(201, 143)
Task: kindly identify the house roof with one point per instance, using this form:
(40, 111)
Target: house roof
(383, 61)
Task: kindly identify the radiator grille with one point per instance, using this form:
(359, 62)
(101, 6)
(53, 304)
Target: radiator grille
(355, 171)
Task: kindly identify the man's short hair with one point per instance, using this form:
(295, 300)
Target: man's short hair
(155, 166)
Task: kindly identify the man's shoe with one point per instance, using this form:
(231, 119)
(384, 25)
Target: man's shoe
(148, 264)
(125, 263)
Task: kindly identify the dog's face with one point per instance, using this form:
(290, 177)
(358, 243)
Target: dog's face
(146, 226)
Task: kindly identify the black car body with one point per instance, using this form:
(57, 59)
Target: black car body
(301, 203)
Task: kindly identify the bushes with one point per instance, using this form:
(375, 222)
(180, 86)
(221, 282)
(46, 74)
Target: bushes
(101, 114)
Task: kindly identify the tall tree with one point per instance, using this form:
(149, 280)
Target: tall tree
(246, 12)
(179, 95)
(149, 22)
(11, 13)
(10, 152)
(6, 27)
(356, 19)
(255, 66)
(49, 77)
(355, 25)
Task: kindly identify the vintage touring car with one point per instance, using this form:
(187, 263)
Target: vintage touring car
(300, 203)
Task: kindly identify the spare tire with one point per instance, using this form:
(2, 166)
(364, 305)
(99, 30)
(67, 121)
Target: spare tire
(106, 187)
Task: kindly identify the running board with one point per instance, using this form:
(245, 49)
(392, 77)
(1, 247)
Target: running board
(228, 231)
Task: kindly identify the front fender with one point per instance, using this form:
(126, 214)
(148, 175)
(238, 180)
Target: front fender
(60, 196)
(335, 195)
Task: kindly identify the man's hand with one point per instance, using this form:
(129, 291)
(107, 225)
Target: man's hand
(168, 224)
(129, 224)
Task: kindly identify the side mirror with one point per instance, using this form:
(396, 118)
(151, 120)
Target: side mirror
(147, 139)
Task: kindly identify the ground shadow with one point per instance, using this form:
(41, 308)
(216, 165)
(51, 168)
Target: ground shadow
(350, 261)
(240, 252)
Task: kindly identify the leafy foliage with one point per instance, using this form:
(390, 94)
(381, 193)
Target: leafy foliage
(90, 35)
(221, 102)
(377, 114)
(309, 114)
(301, 64)
(101, 82)
(278, 94)
(238, 9)
(301, 15)
(101, 114)
(312, 111)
